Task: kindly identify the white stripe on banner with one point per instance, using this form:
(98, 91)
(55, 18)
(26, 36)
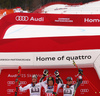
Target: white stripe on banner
(29, 31)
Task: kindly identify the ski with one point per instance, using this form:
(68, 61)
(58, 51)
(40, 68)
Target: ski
(77, 79)
(75, 88)
(17, 81)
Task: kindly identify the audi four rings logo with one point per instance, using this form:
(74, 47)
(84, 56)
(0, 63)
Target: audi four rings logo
(13, 82)
(85, 82)
(84, 90)
(10, 90)
(22, 18)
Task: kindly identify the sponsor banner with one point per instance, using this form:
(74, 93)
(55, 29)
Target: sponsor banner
(8, 76)
(42, 19)
(48, 43)
(34, 63)
(60, 59)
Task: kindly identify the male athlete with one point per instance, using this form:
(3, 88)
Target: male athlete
(51, 86)
(34, 87)
(69, 89)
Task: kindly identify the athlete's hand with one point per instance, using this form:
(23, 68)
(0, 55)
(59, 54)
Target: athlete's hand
(80, 71)
(45, 72)
(55, 93)
(56, 73)
(16, 80)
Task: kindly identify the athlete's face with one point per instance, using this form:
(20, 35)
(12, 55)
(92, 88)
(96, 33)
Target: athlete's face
(34, 80)
(50, 83)
(69, 82)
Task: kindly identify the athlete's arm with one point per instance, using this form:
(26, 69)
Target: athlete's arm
(58, 78)
(59, 81)
(24, 88)
(43, 84)
(41, 79)
(79, 79)
(45, 73)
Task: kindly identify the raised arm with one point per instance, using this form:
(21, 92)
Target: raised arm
(58, 78)
(45, 73)
(59, 81)
(79, 79)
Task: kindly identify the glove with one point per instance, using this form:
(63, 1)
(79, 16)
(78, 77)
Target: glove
(56, 73)
(45, 72)
(80, 71)
(16, 80)
(55, 93)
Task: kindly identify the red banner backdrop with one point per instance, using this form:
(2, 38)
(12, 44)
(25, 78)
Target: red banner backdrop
(48, 19)
(50, 44)
(89, 87)
(55, 43)
(7, 77)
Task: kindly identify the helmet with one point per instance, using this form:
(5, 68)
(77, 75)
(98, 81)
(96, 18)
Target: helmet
(69, 78)
(34, 76)
(49, 79)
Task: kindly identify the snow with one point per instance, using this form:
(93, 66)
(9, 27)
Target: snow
(88, 8)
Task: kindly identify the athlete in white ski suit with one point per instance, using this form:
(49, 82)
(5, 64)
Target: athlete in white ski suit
(49, 87)
(69, 89)
(34, 87)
